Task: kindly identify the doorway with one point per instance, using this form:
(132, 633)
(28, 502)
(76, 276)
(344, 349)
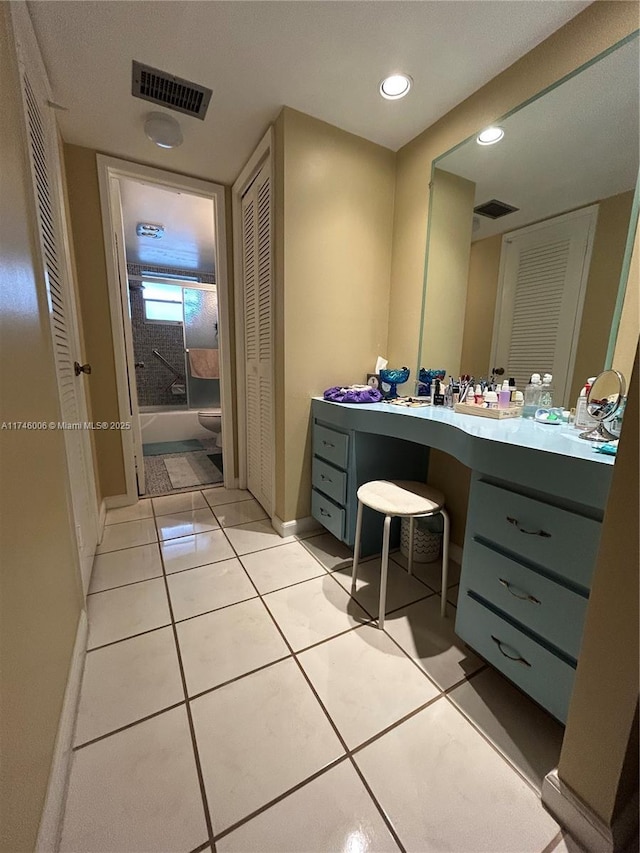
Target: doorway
(165, 247)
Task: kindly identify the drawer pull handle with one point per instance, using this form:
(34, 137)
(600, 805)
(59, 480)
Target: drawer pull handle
(328, 444)
(525, 597)
(324, 512)
(518, 659)
(328, 479)
(516, 523)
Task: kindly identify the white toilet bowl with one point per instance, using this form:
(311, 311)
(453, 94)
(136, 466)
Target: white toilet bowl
(211, 419)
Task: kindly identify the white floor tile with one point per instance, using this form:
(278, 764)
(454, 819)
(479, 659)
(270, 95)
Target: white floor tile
(136, 791)
(255, 536)
(432, 642)
(126, 682)
(258, 737)
(186, 523)
(141, 509)
(208, 588)
(401, 588)
(240, 512)
(191, 551)
(230, 642)
(170, 504)
(332, 553)
(365, 682)
(314, 610)
(444, 788)
(128, 534)
(431, 573)
(278, 567)
(130, 565)
(525, 734)
(219, 496)
(119, 613)
(332, 813)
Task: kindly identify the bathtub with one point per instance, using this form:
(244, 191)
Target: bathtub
(158, 424)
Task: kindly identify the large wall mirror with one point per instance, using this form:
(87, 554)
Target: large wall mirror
(530, 238)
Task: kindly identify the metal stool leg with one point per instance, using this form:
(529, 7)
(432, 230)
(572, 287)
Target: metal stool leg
(412, 527)
(383, 570)
(356, 548)
(445, 562)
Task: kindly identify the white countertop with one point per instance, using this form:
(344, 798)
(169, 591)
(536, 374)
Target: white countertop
(562, 439)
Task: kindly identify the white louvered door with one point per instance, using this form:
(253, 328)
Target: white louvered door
(544, 269)
(257, 274)
(45, 161)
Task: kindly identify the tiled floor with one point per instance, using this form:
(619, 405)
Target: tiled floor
(237, 698)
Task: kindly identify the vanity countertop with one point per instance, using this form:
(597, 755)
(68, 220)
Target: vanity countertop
(563, 440)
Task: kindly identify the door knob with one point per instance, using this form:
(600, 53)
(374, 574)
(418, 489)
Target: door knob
(81, 368)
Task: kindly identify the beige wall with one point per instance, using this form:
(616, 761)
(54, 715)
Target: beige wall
(595, 29)
(627, 339)
(86, 222)
(336, 216)
(482, 292)
(605, 696)
(448, 272)
(41, 597)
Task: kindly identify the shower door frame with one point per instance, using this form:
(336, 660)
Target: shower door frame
(108, 169)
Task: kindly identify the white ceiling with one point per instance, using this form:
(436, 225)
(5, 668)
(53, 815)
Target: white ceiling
(188, 240)
(323, 58)
(577, 144)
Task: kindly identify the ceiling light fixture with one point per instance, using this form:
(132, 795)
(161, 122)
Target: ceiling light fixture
(148, 229)
(163, 129)
(396, 86)
(490, 136)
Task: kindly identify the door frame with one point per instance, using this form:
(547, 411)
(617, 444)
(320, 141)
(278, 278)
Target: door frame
(112, 167)
(264, 151)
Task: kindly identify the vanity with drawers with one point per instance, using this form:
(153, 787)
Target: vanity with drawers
(535, 509)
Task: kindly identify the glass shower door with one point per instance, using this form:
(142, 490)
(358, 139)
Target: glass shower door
(201, 335)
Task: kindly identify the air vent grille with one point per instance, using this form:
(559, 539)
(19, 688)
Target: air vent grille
(156, 86)
(494, 209)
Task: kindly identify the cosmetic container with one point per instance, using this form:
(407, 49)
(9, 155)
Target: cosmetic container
(504, 396)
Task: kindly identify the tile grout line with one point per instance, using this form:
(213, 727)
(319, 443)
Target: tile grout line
(127, 726)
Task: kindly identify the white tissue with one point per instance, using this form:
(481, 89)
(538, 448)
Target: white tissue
(381, 363)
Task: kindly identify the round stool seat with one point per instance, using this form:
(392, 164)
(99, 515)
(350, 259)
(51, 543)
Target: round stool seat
(400, 497)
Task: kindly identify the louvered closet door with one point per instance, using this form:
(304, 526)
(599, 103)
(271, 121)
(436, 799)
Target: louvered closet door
(44, 157)
(544, 271)
(258, 326)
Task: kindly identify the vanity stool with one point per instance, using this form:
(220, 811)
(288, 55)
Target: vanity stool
(410, 500)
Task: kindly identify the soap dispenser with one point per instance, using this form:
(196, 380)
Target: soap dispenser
(532, 397)
(546, 392)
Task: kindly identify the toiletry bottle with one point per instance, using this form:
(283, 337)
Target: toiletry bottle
(519, 400)
(490, 399)
(478, 396)
(512, 389)
(504, 396)
(583, 419)
(438, 396)
(532, 397)
(546, 392)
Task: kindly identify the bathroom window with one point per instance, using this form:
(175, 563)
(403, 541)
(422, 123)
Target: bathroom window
(162, 302)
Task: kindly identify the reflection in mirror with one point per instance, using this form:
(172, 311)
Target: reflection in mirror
(604, 400)
(527, 236)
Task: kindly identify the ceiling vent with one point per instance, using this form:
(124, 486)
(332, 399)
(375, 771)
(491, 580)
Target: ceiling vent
(494, 209)
(156, 86)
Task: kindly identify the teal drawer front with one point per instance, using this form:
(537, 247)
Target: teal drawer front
(331, 445)
(541, 674)
(554, 538)
(327, 513)
(547, 608)
(329, 480)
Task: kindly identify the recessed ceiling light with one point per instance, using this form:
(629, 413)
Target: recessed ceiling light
(396, 86)
(149, 229)
(490, 136)
(163, 129)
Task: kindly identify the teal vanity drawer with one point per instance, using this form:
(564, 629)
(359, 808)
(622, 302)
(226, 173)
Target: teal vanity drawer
(329, 480)
(537, 671)
(331, 445)
(553, 538)
(547, 608)
(327, 513)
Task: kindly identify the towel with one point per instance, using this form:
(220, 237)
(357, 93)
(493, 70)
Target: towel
(203, 363)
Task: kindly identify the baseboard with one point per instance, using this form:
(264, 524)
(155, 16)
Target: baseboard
(297, 527)
(455, 553)
(584, 825)
(116, 501)
(102, 518)
(53, 811)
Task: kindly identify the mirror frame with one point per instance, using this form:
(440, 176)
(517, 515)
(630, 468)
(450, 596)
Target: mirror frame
(633, 220)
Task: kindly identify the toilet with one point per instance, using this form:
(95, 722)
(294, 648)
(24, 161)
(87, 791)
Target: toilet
(211, 419)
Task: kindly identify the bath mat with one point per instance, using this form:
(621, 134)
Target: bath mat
(193, 469)
(159, 448)
(216, 458)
